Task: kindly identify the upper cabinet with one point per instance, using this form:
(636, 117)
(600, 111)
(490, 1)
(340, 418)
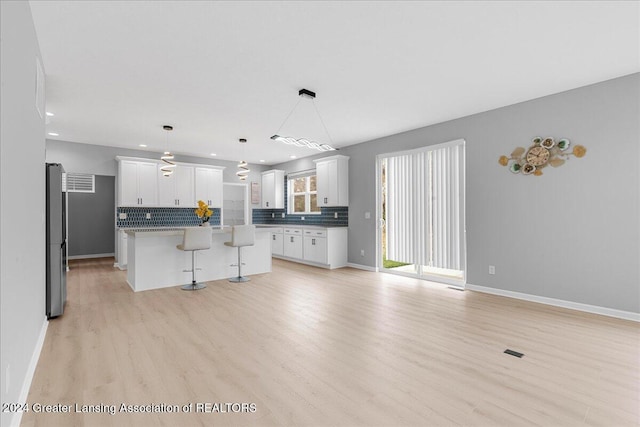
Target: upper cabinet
(209, 185)
(137, 183)
(178, 189)
(273, 189)
(332, 181)
(141, 183)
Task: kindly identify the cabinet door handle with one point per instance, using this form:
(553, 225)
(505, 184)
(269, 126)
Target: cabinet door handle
(291, 239)
(313, 241)
(325, 200)
(267, 204)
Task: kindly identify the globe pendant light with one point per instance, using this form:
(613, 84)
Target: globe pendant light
(169, 166)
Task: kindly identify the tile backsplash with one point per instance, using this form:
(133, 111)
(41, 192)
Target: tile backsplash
(326, 217)
(161, 217)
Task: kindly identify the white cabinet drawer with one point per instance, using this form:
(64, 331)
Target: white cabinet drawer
(315, 233)
(294, 231)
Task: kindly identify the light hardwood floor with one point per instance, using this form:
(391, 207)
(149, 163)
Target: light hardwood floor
(313, 347)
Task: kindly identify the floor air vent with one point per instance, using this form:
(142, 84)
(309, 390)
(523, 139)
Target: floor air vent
(513, 353)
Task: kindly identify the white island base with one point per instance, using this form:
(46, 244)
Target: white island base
(154, 261)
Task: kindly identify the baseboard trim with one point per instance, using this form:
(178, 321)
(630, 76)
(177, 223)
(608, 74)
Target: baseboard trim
(604, 311)
(362, 267)
(31, 370)
(91, 256)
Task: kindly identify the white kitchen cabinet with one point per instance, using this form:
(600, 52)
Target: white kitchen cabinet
(137, 183)
(319, 246)
(332, 180)
(209, 186)
(277, 241)
(273, 189)
(315, 246)
(292, 246)
(178, 189)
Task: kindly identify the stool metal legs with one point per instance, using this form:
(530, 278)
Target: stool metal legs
(193, 286)
(239, 278)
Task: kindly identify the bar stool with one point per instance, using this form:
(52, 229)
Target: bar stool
(241, 235)
(195, 239)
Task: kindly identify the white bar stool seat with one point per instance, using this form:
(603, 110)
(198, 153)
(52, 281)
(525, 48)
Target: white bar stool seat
(195, 239)
(241, 235)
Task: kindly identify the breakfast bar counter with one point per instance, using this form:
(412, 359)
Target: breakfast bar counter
(155, 262)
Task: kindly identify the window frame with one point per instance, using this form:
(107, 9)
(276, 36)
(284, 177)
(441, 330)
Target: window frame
(291, 194)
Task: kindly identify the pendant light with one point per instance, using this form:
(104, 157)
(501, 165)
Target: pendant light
(243, 166)
(169, 166)
(304, 142)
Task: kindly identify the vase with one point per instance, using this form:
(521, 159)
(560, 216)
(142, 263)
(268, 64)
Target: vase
(205, 224)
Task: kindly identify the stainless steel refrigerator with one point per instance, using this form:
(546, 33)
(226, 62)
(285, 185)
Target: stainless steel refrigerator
(56, 231)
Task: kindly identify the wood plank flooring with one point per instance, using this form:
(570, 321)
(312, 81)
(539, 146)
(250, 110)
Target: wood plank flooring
(313, 347)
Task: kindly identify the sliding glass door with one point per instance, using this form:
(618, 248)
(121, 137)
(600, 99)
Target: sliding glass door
(421, 212)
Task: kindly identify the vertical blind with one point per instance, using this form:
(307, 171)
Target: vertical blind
(424, 206)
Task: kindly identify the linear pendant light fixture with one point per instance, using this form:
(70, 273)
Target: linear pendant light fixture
(169, 166)
(304, 142)
(243, 166)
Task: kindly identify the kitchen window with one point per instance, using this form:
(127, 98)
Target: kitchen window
(302, 194)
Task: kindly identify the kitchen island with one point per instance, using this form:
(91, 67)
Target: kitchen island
(154, 261)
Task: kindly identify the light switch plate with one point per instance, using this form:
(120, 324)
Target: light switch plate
(282, 214)
(148, 215)
(122, 215)
(367, 215)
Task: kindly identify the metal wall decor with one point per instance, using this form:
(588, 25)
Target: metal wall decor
(542, 152)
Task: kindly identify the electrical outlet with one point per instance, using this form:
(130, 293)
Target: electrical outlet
(301, 218)
(492, 269)
(335, 215)
(282, 214)
(148, 216)
(361, 252)
(122, 215)
(367, 215)
(273, 215)
(7, 376)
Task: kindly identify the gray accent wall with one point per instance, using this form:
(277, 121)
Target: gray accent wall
(90, 218)
(22, 211)
(572, 234)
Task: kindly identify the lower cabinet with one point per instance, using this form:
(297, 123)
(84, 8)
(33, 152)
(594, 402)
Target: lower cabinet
(277, 242)
(292, 243)
(315, 246)
(323, 247)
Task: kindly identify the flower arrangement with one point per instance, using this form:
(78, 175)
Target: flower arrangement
(203, 211)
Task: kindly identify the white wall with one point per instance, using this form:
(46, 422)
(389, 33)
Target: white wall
(22, 186)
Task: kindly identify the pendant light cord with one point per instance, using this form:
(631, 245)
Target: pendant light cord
(290, 113)
(321, 121)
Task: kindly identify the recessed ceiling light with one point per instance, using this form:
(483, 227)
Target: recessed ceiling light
(292, 157)
(213, 154)
(53, 134)
(50, 114)
(262, 161)
(142, 145)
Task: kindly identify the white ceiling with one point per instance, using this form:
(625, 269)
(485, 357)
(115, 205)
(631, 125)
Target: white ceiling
(218, 71)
